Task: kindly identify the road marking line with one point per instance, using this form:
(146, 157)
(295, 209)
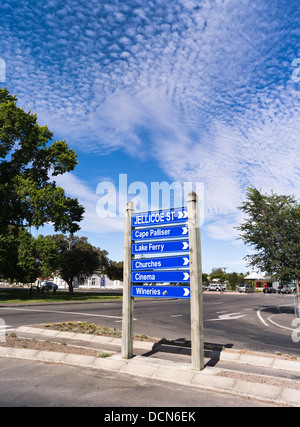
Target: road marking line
(3, 331)
(268, 307)
(230, 316)
(61, 312)
(260, 317)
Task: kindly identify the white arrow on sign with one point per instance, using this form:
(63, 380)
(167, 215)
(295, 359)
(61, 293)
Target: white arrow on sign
(230, 316)
(186, 292)
(185, 245)
(186, 276)
(184, 230)
(186, 261)
(182, 214)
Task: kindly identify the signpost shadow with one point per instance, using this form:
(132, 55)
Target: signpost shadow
(182, 346)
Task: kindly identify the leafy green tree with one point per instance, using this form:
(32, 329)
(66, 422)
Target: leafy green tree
(234, 279)
(18, 262)
(205, 279)
(103, 261)
(272, 229)
(27, 259)
(36, 257)
(77, 258)
(115, 270)
(23, 258)
(9, 255)
(218, 273)
(28, 160)
(47, 253)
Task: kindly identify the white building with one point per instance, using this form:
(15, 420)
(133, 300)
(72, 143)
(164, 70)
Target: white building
(96, 281)
(260, 280)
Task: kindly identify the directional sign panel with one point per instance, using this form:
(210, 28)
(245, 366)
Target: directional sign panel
(160, 233)
(161, 291)
(151, 264)
(159, 217)
(160, 276)
(160, 247)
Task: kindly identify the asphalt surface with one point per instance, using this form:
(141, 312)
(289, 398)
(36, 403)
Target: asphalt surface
(259, 377)
(231, 375)
(36, 384)
(230, 320)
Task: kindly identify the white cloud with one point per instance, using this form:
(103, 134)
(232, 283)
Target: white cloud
(205, 88)
(221, 230)
(92, 222)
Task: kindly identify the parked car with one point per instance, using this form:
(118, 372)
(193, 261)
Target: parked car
(245, 288)
(284, 290)
(287, 290)
(216, 287)
(47, 286)
(269, 290)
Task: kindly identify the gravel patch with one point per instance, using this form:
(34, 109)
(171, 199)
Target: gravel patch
(35, 344)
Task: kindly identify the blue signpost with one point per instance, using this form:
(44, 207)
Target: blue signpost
(155, 263)
(160, 247)
(160, 238)
(161, 291)
(160, 233)
(159, 217)
(160, 276)
(163, 247)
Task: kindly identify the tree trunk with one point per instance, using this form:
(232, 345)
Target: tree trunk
(298, 297)
(70, 284)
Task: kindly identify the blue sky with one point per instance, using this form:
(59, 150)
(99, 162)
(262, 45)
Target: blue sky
(183, 90)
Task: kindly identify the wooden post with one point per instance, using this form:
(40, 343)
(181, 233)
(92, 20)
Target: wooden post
(127, 308)
(197, 335)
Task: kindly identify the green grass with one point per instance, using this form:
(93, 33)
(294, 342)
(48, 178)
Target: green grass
(18, 296)
(104, 354)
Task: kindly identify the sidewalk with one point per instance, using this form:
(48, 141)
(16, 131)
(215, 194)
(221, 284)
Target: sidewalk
(227, 371)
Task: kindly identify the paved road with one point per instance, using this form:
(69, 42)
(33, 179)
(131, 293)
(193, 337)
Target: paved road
(234, 320)
(37, 384)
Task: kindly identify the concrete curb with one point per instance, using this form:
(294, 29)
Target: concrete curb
(208, 379)
(258, 359)
(143, 345)
(211, 378)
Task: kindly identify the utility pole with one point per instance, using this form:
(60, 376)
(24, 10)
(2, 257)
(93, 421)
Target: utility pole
(127, 308)
(196, 301)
